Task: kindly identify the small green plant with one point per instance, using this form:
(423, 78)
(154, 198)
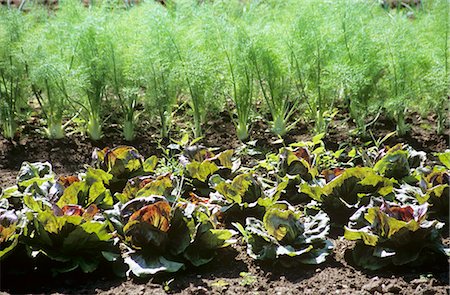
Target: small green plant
(443, 87)
(198, 66)
(247, 279)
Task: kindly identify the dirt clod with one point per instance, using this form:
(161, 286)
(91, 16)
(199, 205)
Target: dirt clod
(375, 285)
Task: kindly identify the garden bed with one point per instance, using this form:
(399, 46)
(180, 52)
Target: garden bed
(232, 272)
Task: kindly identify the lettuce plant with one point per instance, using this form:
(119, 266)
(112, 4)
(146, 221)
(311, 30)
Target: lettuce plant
(92, 189)
(393, 163)
(200, 164)
(12, 224)
(394, 235)
(286, 235)
(435, 187)
(70, 237)
(161, 237)
(141, 186)
(345, 193)
(30, 173)
(239, 198)
(296, 162)
(121, 162)
(63, 220)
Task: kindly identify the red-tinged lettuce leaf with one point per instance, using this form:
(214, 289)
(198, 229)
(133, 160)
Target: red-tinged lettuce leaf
(128, 209)
(158, 233)
(72, 210)
(138, 187)
(157, 215)
(92, 189)
(395, 235)
(330, 174)
(76, 210)
(148, 226)
(295, 162)
(66, 181)
(122, 162)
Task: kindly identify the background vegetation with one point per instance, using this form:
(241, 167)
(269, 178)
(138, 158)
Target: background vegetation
(283, 61)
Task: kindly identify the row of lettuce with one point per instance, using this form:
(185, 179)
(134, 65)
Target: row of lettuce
(283, 62)
(144, 216)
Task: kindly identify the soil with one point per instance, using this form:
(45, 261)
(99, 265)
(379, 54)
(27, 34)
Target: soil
(232, 272)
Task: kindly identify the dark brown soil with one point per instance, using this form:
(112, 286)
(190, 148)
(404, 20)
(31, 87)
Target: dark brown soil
(233, 272)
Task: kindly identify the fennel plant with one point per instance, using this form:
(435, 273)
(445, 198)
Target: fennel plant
(12, 71)
(126, 90)
(275, 86)
(311, 51)
(93, 54)
(160, 73)
(363, 69)
(237, 53)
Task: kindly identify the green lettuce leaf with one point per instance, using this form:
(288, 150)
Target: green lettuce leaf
(69, 241)
(394, 164)
(286, 236)
(39, 173)
(344, 194)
